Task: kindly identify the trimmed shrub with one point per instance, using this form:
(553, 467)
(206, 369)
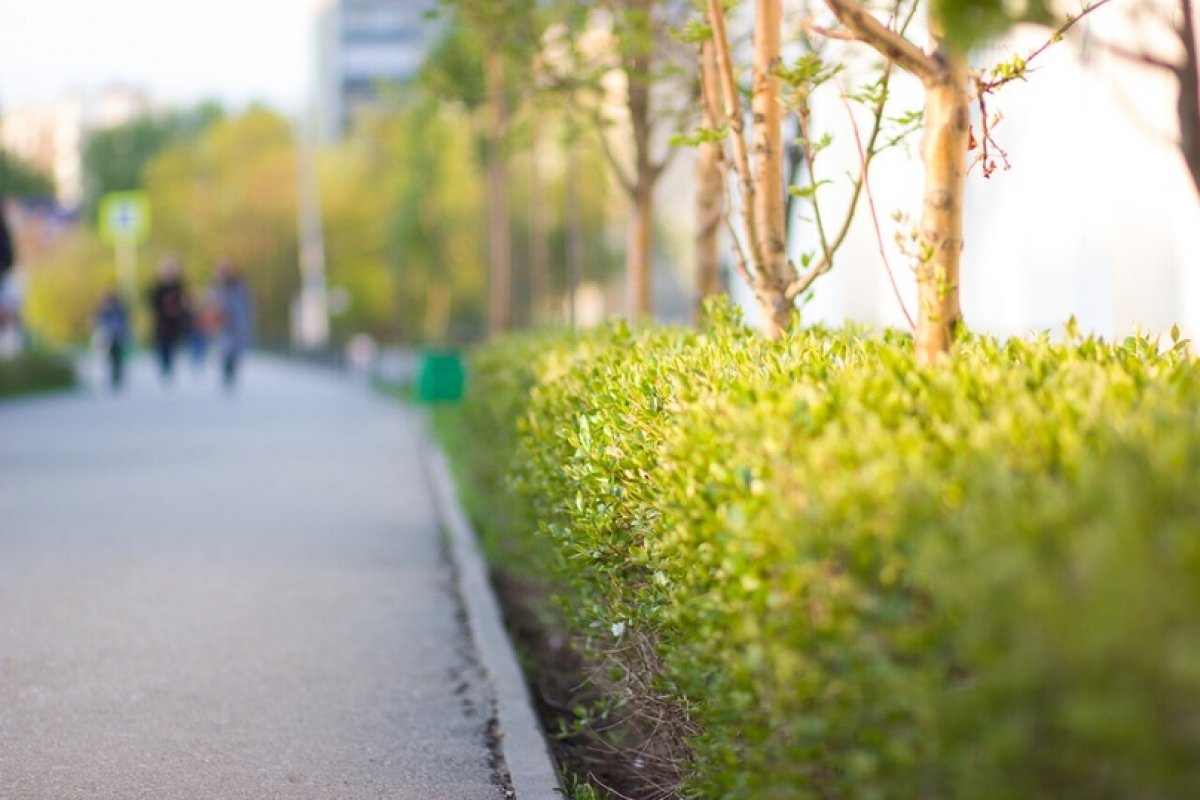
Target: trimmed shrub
(35, 371)
(857, 577)
(480, 436)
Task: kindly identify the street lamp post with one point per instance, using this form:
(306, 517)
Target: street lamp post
(312, 311)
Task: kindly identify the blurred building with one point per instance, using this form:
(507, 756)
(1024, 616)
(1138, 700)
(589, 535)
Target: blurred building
(53, 137)
(366, 49)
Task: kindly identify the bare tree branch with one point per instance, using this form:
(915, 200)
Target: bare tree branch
(890, 44)
(1140, 58)
(619, 169)
(1189, 94)
(808, 26)
(739, 255)
(828, 249)
(683, 123)
(810, 161)
(864, 156)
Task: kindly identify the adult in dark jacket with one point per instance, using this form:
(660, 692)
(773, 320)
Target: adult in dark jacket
(10, 312)
(168, 302)
(7, 256)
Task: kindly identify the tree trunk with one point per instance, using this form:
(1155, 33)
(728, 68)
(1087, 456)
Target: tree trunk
(763, 263)
(768, 178)
(710, 188)
(499, 234)
(944, 150)
(639, 255)
(539, 254)
(710, 184)
(437, 311)
(1189, 94)
(574, 230)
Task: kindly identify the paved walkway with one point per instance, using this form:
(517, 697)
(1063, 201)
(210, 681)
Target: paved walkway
(212, 596)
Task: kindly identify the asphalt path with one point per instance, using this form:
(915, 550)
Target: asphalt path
(229, 595)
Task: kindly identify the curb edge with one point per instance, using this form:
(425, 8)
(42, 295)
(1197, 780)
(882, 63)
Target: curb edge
(522, 743)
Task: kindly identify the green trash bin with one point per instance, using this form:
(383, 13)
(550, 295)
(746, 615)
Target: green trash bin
(442, 376)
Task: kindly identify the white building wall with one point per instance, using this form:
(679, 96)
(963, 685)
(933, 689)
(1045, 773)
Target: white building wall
(53, 137)
(363, 45)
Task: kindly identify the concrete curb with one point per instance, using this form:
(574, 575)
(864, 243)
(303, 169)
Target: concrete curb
(530, 765)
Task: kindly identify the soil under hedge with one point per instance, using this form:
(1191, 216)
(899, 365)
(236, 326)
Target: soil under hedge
(560, 681)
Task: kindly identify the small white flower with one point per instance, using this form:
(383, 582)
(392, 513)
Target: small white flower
(618, 629)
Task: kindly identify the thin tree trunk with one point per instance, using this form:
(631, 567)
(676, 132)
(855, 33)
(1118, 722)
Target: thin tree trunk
(943, 72)
(539, 254)
(437, 311)
(1189, 94)
(499, 233)
(710, 188)
(574, 230)
(765, 267)
(768, 153)
(709, 208)
(944, 151)
(638, 256)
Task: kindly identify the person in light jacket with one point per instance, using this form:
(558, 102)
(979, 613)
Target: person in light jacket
(234, 316)
(112, 326)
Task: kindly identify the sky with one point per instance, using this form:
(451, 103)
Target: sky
(181, 51)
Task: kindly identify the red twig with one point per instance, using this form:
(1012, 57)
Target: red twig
(987, 143)
(862, 157)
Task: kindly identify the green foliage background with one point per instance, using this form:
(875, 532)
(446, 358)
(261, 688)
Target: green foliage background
(402, 213)
(232, 194)
(18, 179)
(115, 159)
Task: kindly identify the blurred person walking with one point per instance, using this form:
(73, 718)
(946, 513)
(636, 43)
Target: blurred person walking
(234, 312)
(7, 256)
(112, 327)
(11, 334)
(168, 302)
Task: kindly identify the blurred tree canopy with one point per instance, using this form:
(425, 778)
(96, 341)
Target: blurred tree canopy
(453, 70)
(225, 189)
(402, 199)
(231, 193)
(402, 206)
(970, 22)
(114, 159)
(66, 287)
(19, 179)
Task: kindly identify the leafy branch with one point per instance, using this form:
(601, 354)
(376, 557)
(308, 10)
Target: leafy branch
(809, 73)
(1004, 73)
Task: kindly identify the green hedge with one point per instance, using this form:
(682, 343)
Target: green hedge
(859, 578)
(35, 371)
